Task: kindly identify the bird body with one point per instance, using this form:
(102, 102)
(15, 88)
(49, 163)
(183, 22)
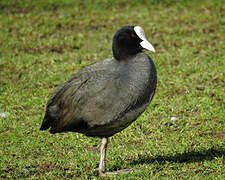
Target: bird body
(103, 98)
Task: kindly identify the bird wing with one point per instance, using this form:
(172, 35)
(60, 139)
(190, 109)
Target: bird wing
(82, 99)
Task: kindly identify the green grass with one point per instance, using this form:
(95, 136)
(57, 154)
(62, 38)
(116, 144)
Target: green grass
(42, 43)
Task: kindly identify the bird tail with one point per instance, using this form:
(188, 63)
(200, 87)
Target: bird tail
(45, 123)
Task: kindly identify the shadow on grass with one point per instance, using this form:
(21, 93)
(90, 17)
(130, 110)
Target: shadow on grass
(188, 157)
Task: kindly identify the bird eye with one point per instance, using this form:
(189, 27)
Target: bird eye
(133, 35)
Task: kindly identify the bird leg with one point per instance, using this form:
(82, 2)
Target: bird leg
(101, 168)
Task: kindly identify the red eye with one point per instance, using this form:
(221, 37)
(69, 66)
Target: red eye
(133, 35)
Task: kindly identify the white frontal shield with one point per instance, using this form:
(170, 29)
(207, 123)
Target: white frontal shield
(141, 34)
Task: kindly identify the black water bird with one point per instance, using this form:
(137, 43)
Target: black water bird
(106, 97)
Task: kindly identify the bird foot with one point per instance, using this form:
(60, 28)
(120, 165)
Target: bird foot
(100, 172)
(119, 172)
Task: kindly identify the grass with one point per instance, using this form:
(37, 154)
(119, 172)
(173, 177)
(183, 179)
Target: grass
(44, 42)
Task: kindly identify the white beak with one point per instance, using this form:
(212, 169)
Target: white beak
(141, 34)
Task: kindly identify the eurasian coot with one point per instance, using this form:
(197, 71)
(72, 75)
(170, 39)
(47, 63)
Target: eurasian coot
(106, 97)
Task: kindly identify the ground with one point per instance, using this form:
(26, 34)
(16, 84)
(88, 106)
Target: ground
(43, 43)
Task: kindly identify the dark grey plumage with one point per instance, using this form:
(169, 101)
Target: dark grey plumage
(103, 98)
(107, 96)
